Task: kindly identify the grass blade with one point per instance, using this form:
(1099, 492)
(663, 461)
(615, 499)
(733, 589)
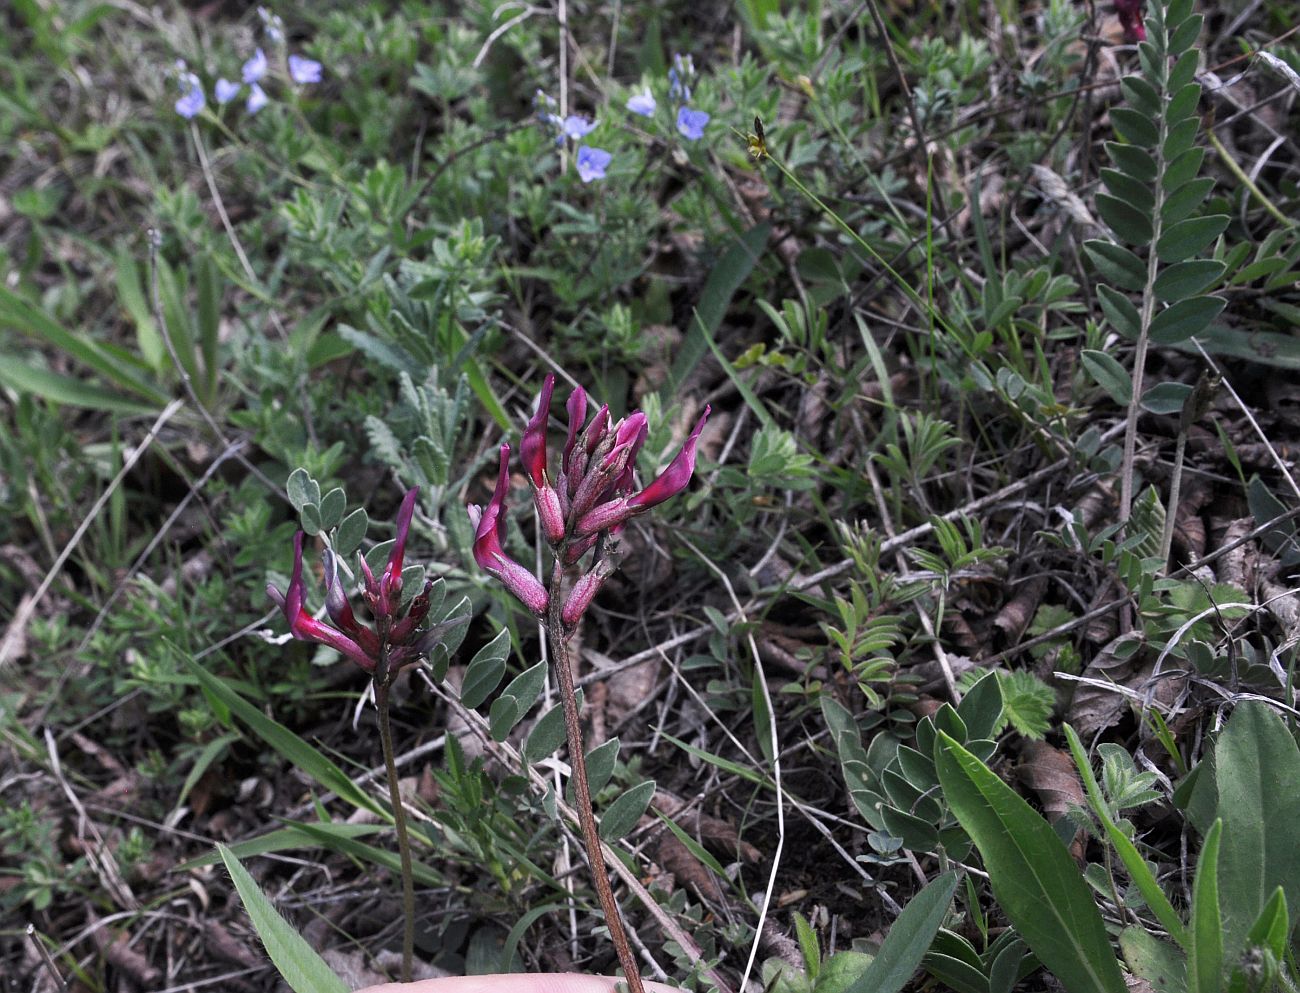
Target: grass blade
(301, 967)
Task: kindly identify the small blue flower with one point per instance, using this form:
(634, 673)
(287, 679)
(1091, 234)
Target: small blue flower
(226, 90)
(271, 24)
(577, 128)
(303, 70)
(643, 104)
(191, 102)
(255, 67)
(691, 123)
(592, 163)
(257, 98)
(679, 77)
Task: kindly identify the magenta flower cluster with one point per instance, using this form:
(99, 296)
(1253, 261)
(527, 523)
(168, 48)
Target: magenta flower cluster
(1130, 19)
(590, 497)
(395, 639)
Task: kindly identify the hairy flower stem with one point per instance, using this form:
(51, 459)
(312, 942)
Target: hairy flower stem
(582, 791)
(399, 820)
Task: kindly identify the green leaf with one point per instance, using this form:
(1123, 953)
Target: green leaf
(1032, 874)
(284, 741)
(1256, 769)
(1137, 868)
(1117, 264)
(351, 532)
(283, 839)
(1180, 138)
(1185, 279)
(297, 961)
(601, 761)
(1183, 169)
(1183, 72)
(1161, 964)
(1137, 162)
(332, 505)
(908, 939)
(1205, 957)
(1166, 398)
(1134, 193)
(1134, 126)
(1184, 202)
(1272, 926)
(808, 946)
(1109, 375)
(112, 363)
(620, 817)
(1119, 310)
(980, 709)
(1181, 105)
(1185, 36)
(132, 298)
(1189, 237)
(1127, 221)
(301, 489)
(1027, 701)
(66, 390)
(485, 669)
(1182, 320)
(516, 700)
(1141, 94)
(309, 517)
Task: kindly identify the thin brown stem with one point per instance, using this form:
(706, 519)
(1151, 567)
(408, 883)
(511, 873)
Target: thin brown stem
(581, 789)
(399, 820)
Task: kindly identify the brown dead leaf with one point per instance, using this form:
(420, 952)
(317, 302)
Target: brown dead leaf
(1092, 707)
(1051, 774)
(116, 948)
(673, 855)
(1015, 616)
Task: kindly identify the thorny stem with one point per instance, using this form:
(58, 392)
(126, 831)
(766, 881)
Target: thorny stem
(581, 790)
(399, 820)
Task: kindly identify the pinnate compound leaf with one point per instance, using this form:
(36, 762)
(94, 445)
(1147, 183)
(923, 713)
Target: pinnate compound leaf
(1109, 375)
(1182, 320)
(1137, 195)
(909, 939)
(620, 817)
(297, 961)
(1032, 874)
(485, 669)
(1189, 237)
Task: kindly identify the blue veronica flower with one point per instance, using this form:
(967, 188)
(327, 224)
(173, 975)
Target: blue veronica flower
(191, 102)
(577, 127)
(255, 68)
(271, 24)
(226, 90)
(303, 70)
(679, 77)
(643, 104)
(691, 123)
(257, 98)
(592, 163)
